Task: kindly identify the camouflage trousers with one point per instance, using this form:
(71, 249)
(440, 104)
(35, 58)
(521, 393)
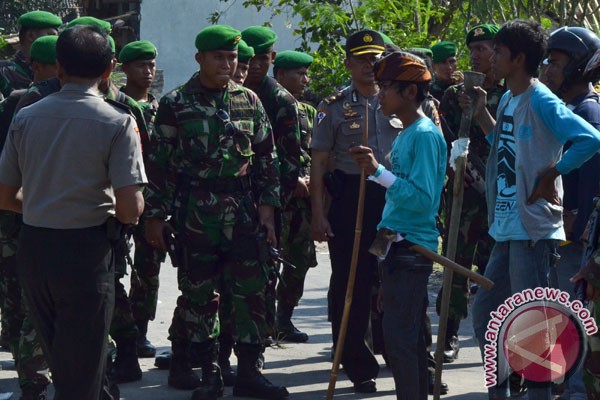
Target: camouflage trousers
(143, 294)
(221, 244)
(32, 367)
(298, 248)
(122, 326)
(591, 365)
(12, 303)
(473, 246)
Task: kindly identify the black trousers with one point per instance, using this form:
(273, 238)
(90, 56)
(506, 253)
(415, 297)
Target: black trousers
(358, 359)
(67, 277)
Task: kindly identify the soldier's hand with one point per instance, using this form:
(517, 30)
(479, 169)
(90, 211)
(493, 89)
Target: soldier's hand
(592, 292)
(458, 77)
(153, 232)
(301, 188)
(266, 216)
(321, 230)
(365, 158)
(477, 101)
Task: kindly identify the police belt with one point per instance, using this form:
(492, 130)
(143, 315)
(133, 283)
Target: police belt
(222, 184)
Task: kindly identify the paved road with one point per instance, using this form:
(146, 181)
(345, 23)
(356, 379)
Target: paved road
(303, 368)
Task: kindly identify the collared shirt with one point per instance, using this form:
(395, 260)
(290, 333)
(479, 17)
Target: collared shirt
(69, 152)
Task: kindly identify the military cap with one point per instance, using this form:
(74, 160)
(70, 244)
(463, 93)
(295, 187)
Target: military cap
(260, 38)
(43, 49)
(39, 20)
(139, 50)
(91, 21)
(482, 32)
(218, 37)
(365, 42)
(290, 59)
(386, 39)
(245, 52)
(443, 51)
(113, 47)
(401, 66)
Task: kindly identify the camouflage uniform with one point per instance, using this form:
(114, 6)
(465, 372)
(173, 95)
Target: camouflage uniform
(14, 74)
(143, 294)
(25, 346)
(297, 245)
(282, 110)
(438, 88)
(199, 168)
(473, 243)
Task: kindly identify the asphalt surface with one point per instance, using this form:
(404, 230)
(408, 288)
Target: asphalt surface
(303, 368)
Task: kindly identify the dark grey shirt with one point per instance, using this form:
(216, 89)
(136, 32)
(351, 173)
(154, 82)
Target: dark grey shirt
(340, 123)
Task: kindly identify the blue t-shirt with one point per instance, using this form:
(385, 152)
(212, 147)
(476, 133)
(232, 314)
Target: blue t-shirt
(418, 161)
(507, 223)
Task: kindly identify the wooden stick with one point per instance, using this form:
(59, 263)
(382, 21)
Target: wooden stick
(339, 347)
(471, 79)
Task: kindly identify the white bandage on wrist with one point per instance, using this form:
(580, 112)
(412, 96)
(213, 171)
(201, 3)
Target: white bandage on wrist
(385, 178)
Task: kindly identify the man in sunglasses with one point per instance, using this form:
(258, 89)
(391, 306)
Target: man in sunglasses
(213, 177)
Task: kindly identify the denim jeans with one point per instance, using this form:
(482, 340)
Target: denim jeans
(569, 264)
(513, 266)
(404, 281)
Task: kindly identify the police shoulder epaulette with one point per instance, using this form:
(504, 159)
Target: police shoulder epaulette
(119, 105)
(333, 98)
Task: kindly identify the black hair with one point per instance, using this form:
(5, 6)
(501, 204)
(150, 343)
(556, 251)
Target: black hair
(524, 36)
(422, 89)
(84, 51)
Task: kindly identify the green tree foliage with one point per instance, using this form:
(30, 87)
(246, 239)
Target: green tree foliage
(10, 10)
(323, 24)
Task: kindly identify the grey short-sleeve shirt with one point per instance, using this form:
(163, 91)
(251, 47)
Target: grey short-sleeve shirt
(340, 123)
(69, 152)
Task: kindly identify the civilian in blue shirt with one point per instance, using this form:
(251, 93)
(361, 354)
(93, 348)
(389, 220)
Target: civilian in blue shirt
(414, 185)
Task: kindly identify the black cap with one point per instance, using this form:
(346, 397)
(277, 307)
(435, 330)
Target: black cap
(365, 42)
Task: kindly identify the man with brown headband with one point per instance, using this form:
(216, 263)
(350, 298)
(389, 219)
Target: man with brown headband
(413, 185)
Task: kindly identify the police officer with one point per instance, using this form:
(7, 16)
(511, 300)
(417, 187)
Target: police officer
(473, 243)
(139, 65)
(290, 68)
(17, 73)
(211, 168)
(340, 123)
(444, 68)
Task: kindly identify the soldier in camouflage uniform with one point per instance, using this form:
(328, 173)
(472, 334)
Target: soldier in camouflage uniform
(282, 110)
(139, 64)
(17, 73)
(291, 71)
(444, 68)
(212, 169)
(26, 349)
(473, 243)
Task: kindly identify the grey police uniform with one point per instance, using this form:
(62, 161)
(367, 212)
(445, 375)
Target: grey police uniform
(340, 124)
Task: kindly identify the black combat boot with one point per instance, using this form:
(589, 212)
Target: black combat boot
(286, 329)
(126, 367)
(250, 382)
(33, 392)
(211, 387)
(163, 359)
(451, 345)
(145, 349)
(225, 350)
(181, 375)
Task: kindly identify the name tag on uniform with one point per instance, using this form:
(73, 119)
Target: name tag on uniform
(354, 125)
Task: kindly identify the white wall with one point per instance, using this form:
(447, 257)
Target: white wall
(172, 25)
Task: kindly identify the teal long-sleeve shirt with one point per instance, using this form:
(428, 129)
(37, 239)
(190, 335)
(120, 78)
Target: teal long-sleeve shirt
(418, 161)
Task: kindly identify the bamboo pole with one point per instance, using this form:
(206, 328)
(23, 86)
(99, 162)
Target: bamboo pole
(471, 79)
(339, 347)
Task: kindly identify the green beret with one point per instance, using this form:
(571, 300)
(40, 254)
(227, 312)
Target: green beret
(260, 38)
(218, 37)
(482, 32)
(386, 39)
(39, 20)
(112, 44)
(421, 51)
(139, 50)
(43, 49)
(291, 59)
(443, 51)
(245, 52)
(91, 21)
